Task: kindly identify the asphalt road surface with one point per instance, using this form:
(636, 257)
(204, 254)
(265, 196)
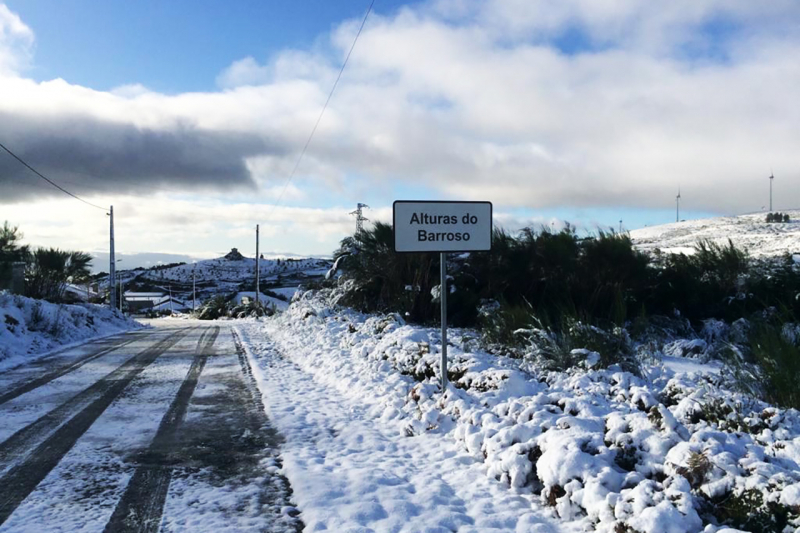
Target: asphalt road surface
(155, 430)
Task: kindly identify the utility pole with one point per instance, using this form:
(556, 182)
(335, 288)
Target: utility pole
(771, 177)
(170, 299)
(360, 219)
(112, 278)
(194, 286)
(678, 206)
(258, 268)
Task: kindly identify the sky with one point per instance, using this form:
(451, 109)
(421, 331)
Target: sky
(189, 117)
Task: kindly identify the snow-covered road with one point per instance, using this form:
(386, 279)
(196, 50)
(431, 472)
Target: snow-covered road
(154, 430)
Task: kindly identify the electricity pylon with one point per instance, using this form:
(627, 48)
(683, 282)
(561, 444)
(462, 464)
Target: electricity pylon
(360, 219)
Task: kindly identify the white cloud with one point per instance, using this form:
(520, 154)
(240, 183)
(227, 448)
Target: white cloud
(16, 42)
(132, 90)
(245, 71)
(478, 100)
(189, 226)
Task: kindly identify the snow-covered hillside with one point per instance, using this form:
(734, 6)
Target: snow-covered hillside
(233, 272)
(223, 275)
(748, 232)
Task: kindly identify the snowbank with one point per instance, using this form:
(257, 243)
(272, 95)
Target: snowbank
(602, 448)
(31, 328)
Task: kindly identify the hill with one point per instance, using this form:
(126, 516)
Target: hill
(748, 232)
(220, 276)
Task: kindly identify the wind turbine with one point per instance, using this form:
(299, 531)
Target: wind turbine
(771, 177)
(678, 206)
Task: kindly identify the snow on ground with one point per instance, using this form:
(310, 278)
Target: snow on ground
(160, 451)
(351, 472)
(748, 232)
(599, 450)
(683, 365)
(92, 477)
(32, 328)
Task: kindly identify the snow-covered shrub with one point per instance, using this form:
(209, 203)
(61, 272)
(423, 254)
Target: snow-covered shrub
(501, 327)
(214, 308)
(611, 451)
(252, 309)
(574, 342)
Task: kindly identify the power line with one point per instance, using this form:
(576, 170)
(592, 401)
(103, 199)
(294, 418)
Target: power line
(54, 184)
(324, 107)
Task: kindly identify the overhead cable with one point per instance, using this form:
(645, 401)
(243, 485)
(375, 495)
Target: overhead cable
(51, 182)
(324, 107)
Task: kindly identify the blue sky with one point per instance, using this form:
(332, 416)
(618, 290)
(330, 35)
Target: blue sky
(189, 116)
(171, 47)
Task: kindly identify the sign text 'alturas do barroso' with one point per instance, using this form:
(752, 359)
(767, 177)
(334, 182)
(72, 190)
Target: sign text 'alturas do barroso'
(442, 226)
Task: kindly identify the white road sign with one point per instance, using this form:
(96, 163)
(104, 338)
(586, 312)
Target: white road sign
(442, 226)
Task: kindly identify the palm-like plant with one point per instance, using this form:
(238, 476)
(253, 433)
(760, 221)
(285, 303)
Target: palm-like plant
(50, 269)
(385, 280)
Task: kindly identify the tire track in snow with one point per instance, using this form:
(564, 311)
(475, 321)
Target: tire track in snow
(18, 444)
(66, 369)
(142, 504)
(19, 481)
(229, 476)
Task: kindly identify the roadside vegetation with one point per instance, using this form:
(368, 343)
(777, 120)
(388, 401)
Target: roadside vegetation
(556, 295)
(47, 271)
(225, 306)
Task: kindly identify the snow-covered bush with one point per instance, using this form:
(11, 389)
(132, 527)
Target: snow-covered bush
(214, 308)
(252, 309)
(668, 451)
(225, 307)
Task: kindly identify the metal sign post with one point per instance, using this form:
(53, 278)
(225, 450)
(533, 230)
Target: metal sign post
(443, 301)
(442, 227)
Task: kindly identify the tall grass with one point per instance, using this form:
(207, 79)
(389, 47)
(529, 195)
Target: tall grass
(778, 358)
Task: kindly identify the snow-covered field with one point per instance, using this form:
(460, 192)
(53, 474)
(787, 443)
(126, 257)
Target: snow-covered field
(31, 328)
(371, 444)
(747, 232)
